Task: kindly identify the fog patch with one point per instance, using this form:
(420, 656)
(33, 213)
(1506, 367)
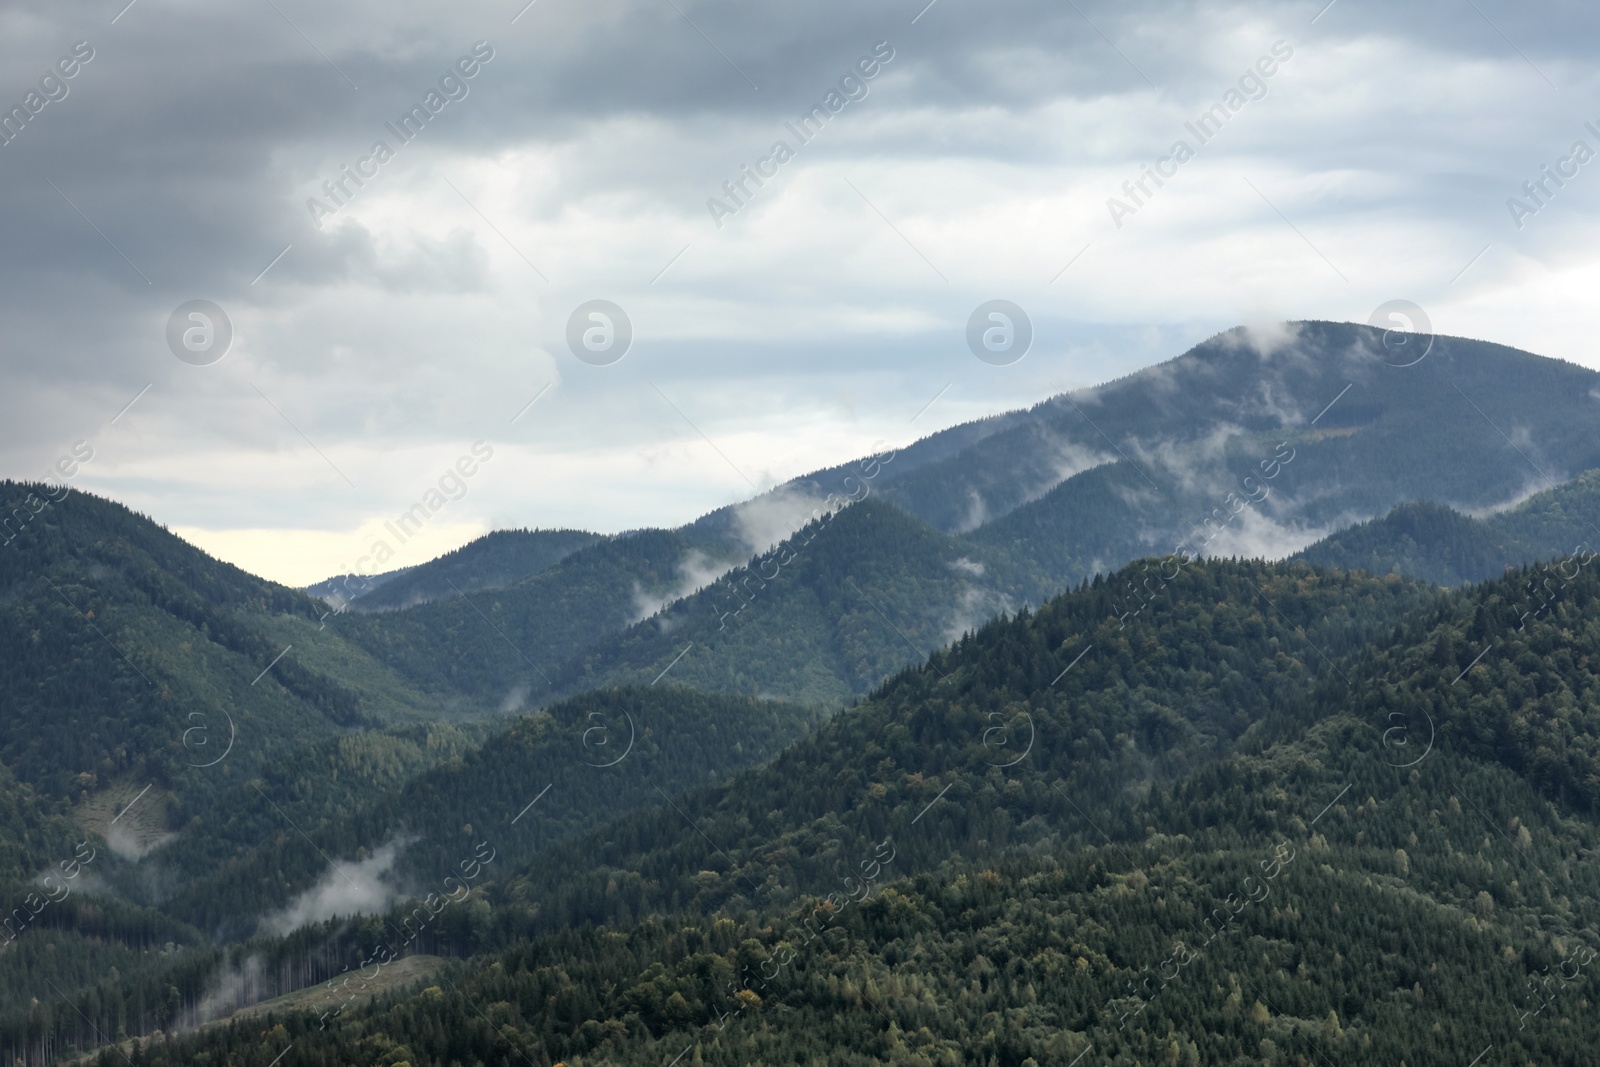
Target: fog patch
(768, 520)
(1199, 463)
(1066, 460)
(360, 887)
(1136, 494)
(1255, 535)
(515, 700)
(1265, 339)
(1529, 489)
(695, 571)
(977, 513)
(1286, 411)
(975, 607)
(1162, 381)
(230, 989)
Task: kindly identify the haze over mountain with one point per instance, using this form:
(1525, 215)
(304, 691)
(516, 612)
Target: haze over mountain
(1256, 443)
(715, 534)
(1277, 627)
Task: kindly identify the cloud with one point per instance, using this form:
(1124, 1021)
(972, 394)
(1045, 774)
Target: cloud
(1065, 458)
(977, 513)
(230, 989)
(1253, 534)
(1265, 339)
(360, 887)
(135, 844)
(434, 306)
(516, 699)
(695, 571)
(1532, 487)
(975, 606)
(772, 517)
(1195, 462)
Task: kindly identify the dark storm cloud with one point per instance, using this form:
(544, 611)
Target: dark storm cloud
(194, 137)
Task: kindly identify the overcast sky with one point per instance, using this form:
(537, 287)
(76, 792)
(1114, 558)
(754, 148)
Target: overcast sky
(377, 336)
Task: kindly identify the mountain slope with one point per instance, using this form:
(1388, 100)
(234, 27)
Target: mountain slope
(493, 561)
(1372, 435)
(1254, 443)
(1280, 946)
(1216, 650)
(343, 588)
(1310, 886)
(1440, 545)
(1428, 541)
(545, 779)
(144, 687)
(848, 600)
(502, 645)
(122, 649)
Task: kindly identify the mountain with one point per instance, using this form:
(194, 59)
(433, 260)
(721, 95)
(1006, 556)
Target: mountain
(184, 713)
(1439, 544)
(128, 652)
(1428, 541)
(1257, 448)
(146, 687)
(345, 588)
(1027, 805)
(1095, 707)
(784, 825)
(847, 601)
(1254, 443)
(502, 646)
(493, 561)
(1368, 434)
(1279, 814)
(557, 773)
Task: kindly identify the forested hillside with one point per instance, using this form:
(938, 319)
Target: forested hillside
(493, 561)
(127, 654)
(1233, 838)
(904, 761)
(1439, 544)
(540, 781)
(503, 646)
(1253, 443)
(848, 600)
(1091, 704)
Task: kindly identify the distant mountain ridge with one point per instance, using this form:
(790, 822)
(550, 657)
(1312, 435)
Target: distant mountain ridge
(345, 588)
(496, 560)
(1255, 443)
(974, 655)
(1441, 545)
